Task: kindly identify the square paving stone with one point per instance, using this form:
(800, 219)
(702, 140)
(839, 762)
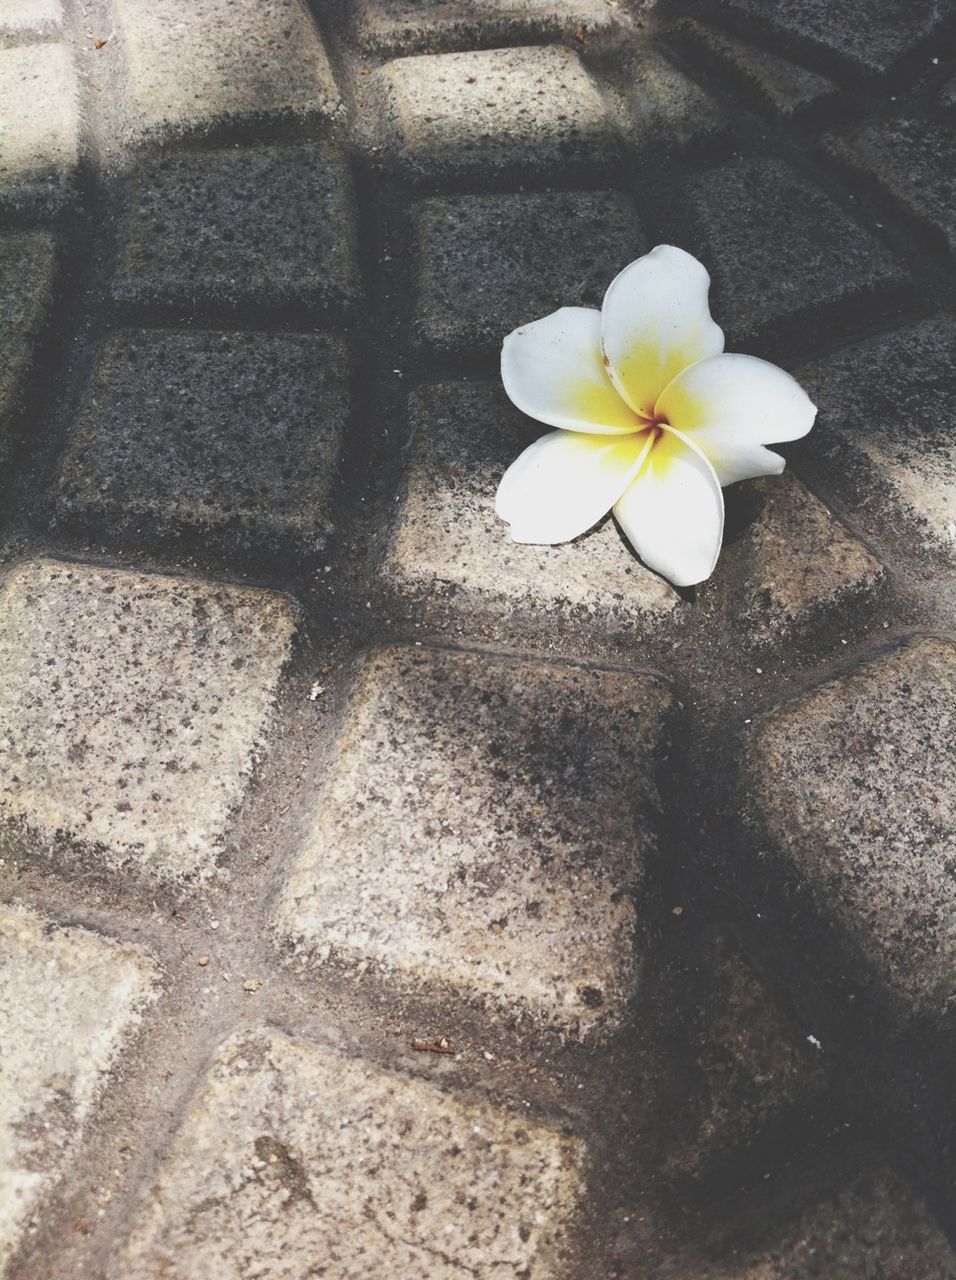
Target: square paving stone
(887, 437)
(27, 275)
(487, 264)
(39, 141)
(132, 710)
(855, 784)
(782, 254)
(495, 112)
(410, 26)
(237, 433)
(914, 161)
(669, 113)
(487, 825)
(871, 1226)
(448, 543)
(858, 35)
(797, 565)
(68, 1001)
(241, 226)
(197, 66)
(295, 1162)
(780, 87)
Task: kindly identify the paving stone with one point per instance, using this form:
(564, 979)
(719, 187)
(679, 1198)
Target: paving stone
(39, 142)
(489, 263)
(749, 1070)
(872, 1225)
(947, 95)
(236, 433)
(27, 274)
(668, 112)
(869, 38)
(914, 161)
(855, 784)
(781, 252)
(68, 1001)
(798, 565)
(480, 835)
(195, 67)
(242, 226)
(495, 112)
(132, 708)
(448, 542)
(408, 26)
(18, 17)
(781, 87)
(295, 1162)
(888, 411)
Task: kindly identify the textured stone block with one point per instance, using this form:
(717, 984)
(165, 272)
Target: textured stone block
(871, 1225)
(668, 112)
(68, 1001)
(293, 1162)
(489, 263)
(887, 423)
(19, 17)
(914, 162)
(237, 433)
(199, 65)
(749, 1068)
(407, 26)
(448, 541)
(782, 253)
(857, 35)
(132, 707)
(486, 825)
(27, 274)
(241, 227)
(797, 564)
(495, 112)
(855, 784)
(39, 142)
(778, 86)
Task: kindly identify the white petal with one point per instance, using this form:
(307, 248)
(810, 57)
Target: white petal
(565, 482)
(673, 513)
(655, 321)
(553, 370)
(731, 406)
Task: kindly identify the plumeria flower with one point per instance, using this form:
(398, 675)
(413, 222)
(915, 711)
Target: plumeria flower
(652, 418)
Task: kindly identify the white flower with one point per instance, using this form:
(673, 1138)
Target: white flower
(652, 418)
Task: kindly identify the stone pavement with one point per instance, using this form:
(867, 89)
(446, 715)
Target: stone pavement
(379, 897)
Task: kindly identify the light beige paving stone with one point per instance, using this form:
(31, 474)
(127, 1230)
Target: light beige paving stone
(68, 999)
(448, 538)
(486, 825)
(888, 412)
(39, 127)
(395, 26)
(871, 1226)
(856, 785)
(293, 1162)
(494, 111)
(799, 564)
(197, 64)
(132, 707)
(19, 16)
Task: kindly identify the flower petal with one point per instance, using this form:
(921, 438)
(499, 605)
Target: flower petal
(731, 406)
(553, 370)
(655, 321)
(565, 482)
(673, 513)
